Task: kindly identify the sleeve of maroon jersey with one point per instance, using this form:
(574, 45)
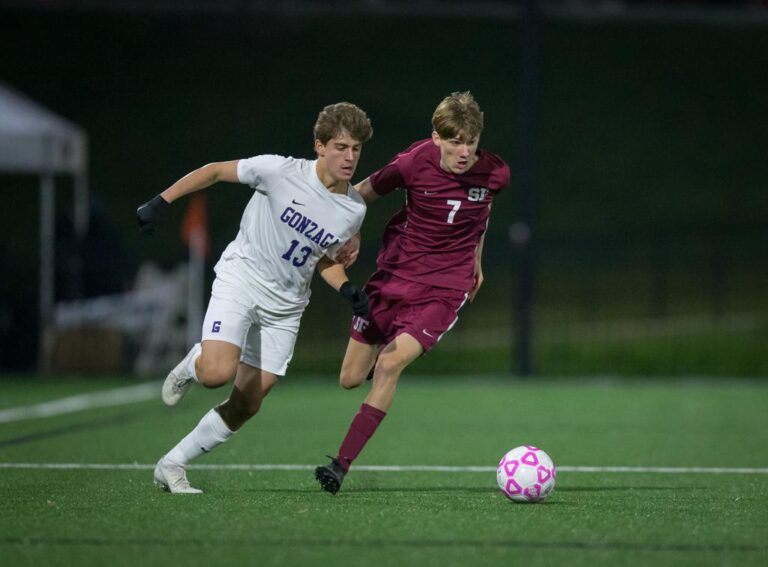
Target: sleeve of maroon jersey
(396, 173)
(388, 178)
(500, 175)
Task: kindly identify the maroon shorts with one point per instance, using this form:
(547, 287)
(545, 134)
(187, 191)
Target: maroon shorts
(401, 306)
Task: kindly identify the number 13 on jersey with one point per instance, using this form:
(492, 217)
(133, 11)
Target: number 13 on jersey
(301, 258)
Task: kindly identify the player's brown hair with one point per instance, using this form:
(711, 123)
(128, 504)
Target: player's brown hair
(342, 116)
(458, 116)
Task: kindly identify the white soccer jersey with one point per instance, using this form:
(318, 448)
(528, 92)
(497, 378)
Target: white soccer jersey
(291, 222)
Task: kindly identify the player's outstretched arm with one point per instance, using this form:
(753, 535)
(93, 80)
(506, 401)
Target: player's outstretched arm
(335, 276)
(150, 213)
(202, 178)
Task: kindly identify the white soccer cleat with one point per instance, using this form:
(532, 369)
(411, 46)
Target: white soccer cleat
(178, 381)
(173, 478)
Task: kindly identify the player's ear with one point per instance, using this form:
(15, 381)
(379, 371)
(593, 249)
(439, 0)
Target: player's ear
(435, 138)
(319, 148)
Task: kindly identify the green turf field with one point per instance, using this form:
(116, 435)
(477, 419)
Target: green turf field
(105, 510)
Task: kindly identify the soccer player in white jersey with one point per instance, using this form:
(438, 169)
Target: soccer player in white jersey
(300, 215)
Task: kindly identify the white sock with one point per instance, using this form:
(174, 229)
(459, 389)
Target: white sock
(209, 434)
(191, 357)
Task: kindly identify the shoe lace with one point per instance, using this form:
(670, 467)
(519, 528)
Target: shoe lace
(175, 475)
(181, 480)
(181, 384)
(335, 466)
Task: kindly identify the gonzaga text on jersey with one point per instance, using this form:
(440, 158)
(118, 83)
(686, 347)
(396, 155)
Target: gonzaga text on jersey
(309, 228)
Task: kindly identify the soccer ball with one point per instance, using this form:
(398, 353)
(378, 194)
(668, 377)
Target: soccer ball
(526, 474)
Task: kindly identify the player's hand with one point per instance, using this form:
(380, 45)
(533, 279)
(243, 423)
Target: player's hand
(357, 297)
(349, 252)
(478, 283)
(150, 213)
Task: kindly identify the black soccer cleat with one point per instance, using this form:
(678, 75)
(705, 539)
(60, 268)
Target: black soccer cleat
(330, 476)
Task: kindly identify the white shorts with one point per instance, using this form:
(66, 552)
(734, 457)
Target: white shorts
(237, 314)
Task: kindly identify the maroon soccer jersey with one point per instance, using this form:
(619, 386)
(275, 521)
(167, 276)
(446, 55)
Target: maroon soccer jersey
(432, 239)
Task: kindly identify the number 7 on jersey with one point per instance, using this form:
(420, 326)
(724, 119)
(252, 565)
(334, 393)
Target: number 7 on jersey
(455, 204)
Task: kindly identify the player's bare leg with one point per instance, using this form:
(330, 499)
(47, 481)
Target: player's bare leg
(212, 364)
(248, 392)
(392, 360)
(217, 364)
(358, 363)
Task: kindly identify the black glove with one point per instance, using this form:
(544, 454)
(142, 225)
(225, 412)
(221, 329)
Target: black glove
(357, 297)
(150, 213)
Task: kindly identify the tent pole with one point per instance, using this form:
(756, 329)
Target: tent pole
(81, 216)
(47, 245)
(81, 205)
(82, 196)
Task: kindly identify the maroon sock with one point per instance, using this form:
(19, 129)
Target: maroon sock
(362, 428)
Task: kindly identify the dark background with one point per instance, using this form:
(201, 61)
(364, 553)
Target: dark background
(651, 226)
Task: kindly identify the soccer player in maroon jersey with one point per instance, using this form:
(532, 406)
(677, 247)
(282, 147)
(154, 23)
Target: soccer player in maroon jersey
(428, 265)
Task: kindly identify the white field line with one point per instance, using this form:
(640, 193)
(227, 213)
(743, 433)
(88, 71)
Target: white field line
(383, 468)
(116, 397)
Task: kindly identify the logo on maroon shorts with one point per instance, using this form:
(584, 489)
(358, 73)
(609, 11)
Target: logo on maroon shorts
(360, 324)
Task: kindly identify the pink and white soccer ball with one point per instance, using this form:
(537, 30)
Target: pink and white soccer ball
(526, 474)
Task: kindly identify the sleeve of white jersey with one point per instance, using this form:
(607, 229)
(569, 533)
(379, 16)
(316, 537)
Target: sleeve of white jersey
(333, 250)
(254, 170)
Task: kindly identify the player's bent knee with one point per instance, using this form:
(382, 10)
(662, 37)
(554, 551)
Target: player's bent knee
(215, 375)
(349, 381)
(213, 379)
(352, 375)
(350, 385)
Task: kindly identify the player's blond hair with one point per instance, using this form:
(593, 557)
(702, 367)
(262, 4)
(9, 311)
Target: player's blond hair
(342, 116)
(458, 116)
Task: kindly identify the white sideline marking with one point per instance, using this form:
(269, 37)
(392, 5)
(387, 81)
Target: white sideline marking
(383, 468)
(116, 397)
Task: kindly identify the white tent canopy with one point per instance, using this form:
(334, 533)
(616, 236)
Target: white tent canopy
(35, 141)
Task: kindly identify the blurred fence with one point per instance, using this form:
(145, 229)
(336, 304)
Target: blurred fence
(688, 302)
